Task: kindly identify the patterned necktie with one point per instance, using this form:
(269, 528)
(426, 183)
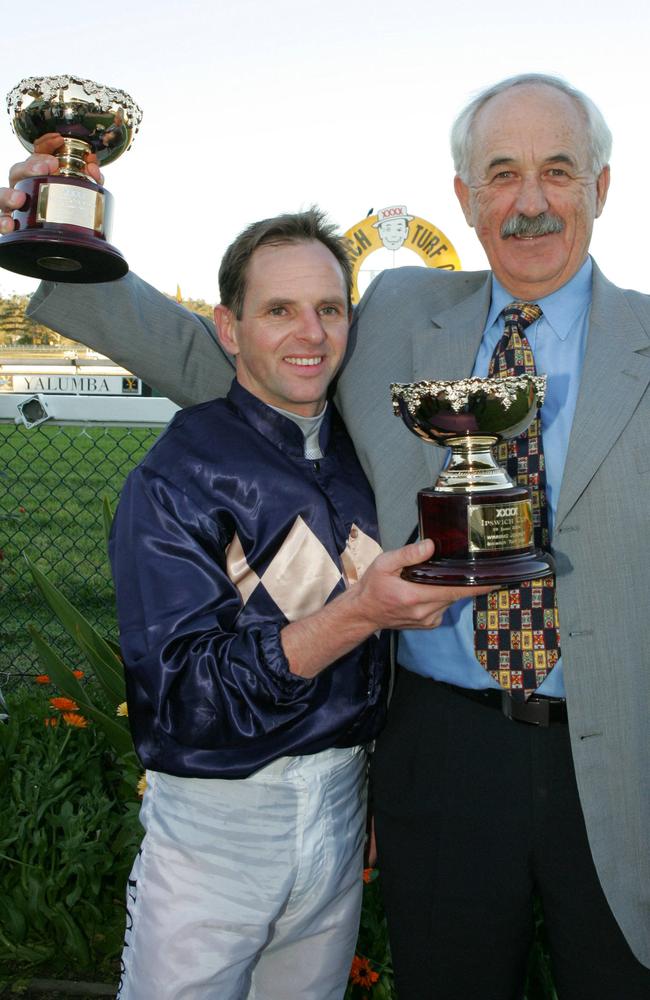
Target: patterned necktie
(516, 630)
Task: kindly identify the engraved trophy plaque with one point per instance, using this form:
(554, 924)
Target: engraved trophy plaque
(62, 231)
(480, 521)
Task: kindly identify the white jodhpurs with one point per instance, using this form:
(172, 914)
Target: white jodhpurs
(248, 888)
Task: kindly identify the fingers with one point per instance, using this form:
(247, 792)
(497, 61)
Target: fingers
(424, 618)
(49, 142)
(433, 601)
(446, 595)
(93, 170)
(417, 552)
(36, 165)
(426, 605)
(10, 200)
(41, 164)
(386, 599)
(408, 555)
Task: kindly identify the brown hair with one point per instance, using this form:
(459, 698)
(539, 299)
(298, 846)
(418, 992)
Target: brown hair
(289, 228)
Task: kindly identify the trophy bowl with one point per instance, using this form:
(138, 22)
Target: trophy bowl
(480, 521)
(62, 231)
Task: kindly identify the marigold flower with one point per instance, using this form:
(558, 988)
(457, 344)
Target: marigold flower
(74, 719)
(64, 704)
(78, 674)
(51, 721)
(362, 973)
(42, 678)
(142, 784)
(122, 709)
(368, 875)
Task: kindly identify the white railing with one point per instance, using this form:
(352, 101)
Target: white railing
(135, 411)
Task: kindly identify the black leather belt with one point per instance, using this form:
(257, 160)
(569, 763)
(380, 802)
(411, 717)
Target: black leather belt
(537, 711)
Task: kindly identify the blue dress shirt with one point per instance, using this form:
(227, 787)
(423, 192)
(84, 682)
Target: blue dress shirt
(558, 340)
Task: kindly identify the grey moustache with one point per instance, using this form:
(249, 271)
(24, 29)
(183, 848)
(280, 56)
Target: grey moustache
(540, 225)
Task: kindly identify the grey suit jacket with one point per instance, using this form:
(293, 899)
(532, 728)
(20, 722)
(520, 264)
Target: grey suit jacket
(415, 323)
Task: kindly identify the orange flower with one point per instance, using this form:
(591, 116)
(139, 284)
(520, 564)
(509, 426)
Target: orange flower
(51, 721)
(64, 704)
(42, 679)
(74, 719)
(362, 973)
(368, 875)
(78, 674)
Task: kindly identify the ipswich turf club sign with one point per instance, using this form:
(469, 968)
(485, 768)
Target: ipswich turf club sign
(379, 241)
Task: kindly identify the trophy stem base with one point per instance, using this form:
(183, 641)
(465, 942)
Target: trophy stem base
(59, 256)
(493, 571)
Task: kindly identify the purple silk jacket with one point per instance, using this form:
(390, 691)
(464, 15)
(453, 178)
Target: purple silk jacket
(223, 534)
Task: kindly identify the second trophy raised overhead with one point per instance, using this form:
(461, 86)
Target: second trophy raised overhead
(480, 521)
(62, 231)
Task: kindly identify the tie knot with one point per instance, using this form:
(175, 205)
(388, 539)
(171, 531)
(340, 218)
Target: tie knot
(521, 314)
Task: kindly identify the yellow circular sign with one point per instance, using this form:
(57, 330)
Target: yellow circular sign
(393, 228)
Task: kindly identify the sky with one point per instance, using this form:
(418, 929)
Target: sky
(255, 107)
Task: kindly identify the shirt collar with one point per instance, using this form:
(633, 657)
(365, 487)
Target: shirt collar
(282, 431)
(561, 308)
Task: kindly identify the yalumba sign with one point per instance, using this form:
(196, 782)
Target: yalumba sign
(76, 384)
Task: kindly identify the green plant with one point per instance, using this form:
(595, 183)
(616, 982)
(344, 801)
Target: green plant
(68, 835)
(98, 701)
(69, 828)
(372, 969)
(539, 984)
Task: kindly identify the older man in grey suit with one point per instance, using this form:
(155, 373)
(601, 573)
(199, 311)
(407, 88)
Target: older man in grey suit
(476, 810)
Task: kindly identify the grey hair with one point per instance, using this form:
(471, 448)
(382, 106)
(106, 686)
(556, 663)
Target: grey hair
(600, 137)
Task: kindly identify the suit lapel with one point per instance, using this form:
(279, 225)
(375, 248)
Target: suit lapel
(447, 350)
(614, 377)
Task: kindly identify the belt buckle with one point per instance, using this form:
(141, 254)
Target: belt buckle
(531, 713)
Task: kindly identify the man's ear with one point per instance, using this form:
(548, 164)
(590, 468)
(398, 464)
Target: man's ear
(463, 195)
(602, 187)
(226, 325)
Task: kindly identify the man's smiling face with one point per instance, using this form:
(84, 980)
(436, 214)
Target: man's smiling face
(293, 331)
(531, 175)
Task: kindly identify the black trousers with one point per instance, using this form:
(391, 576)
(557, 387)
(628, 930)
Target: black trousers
(473, 813)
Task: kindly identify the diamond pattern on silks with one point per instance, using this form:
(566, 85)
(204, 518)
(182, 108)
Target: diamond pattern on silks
(516, 630)
(301, 575)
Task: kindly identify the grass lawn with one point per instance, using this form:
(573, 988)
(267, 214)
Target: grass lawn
(52, 480)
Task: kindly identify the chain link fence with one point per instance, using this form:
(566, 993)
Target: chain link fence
(52, 481)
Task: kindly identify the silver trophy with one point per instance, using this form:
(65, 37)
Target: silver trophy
(480, 521)
(63, 229)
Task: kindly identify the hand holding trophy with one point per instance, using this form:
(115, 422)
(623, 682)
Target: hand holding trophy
(62, 231)
(480, 521)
